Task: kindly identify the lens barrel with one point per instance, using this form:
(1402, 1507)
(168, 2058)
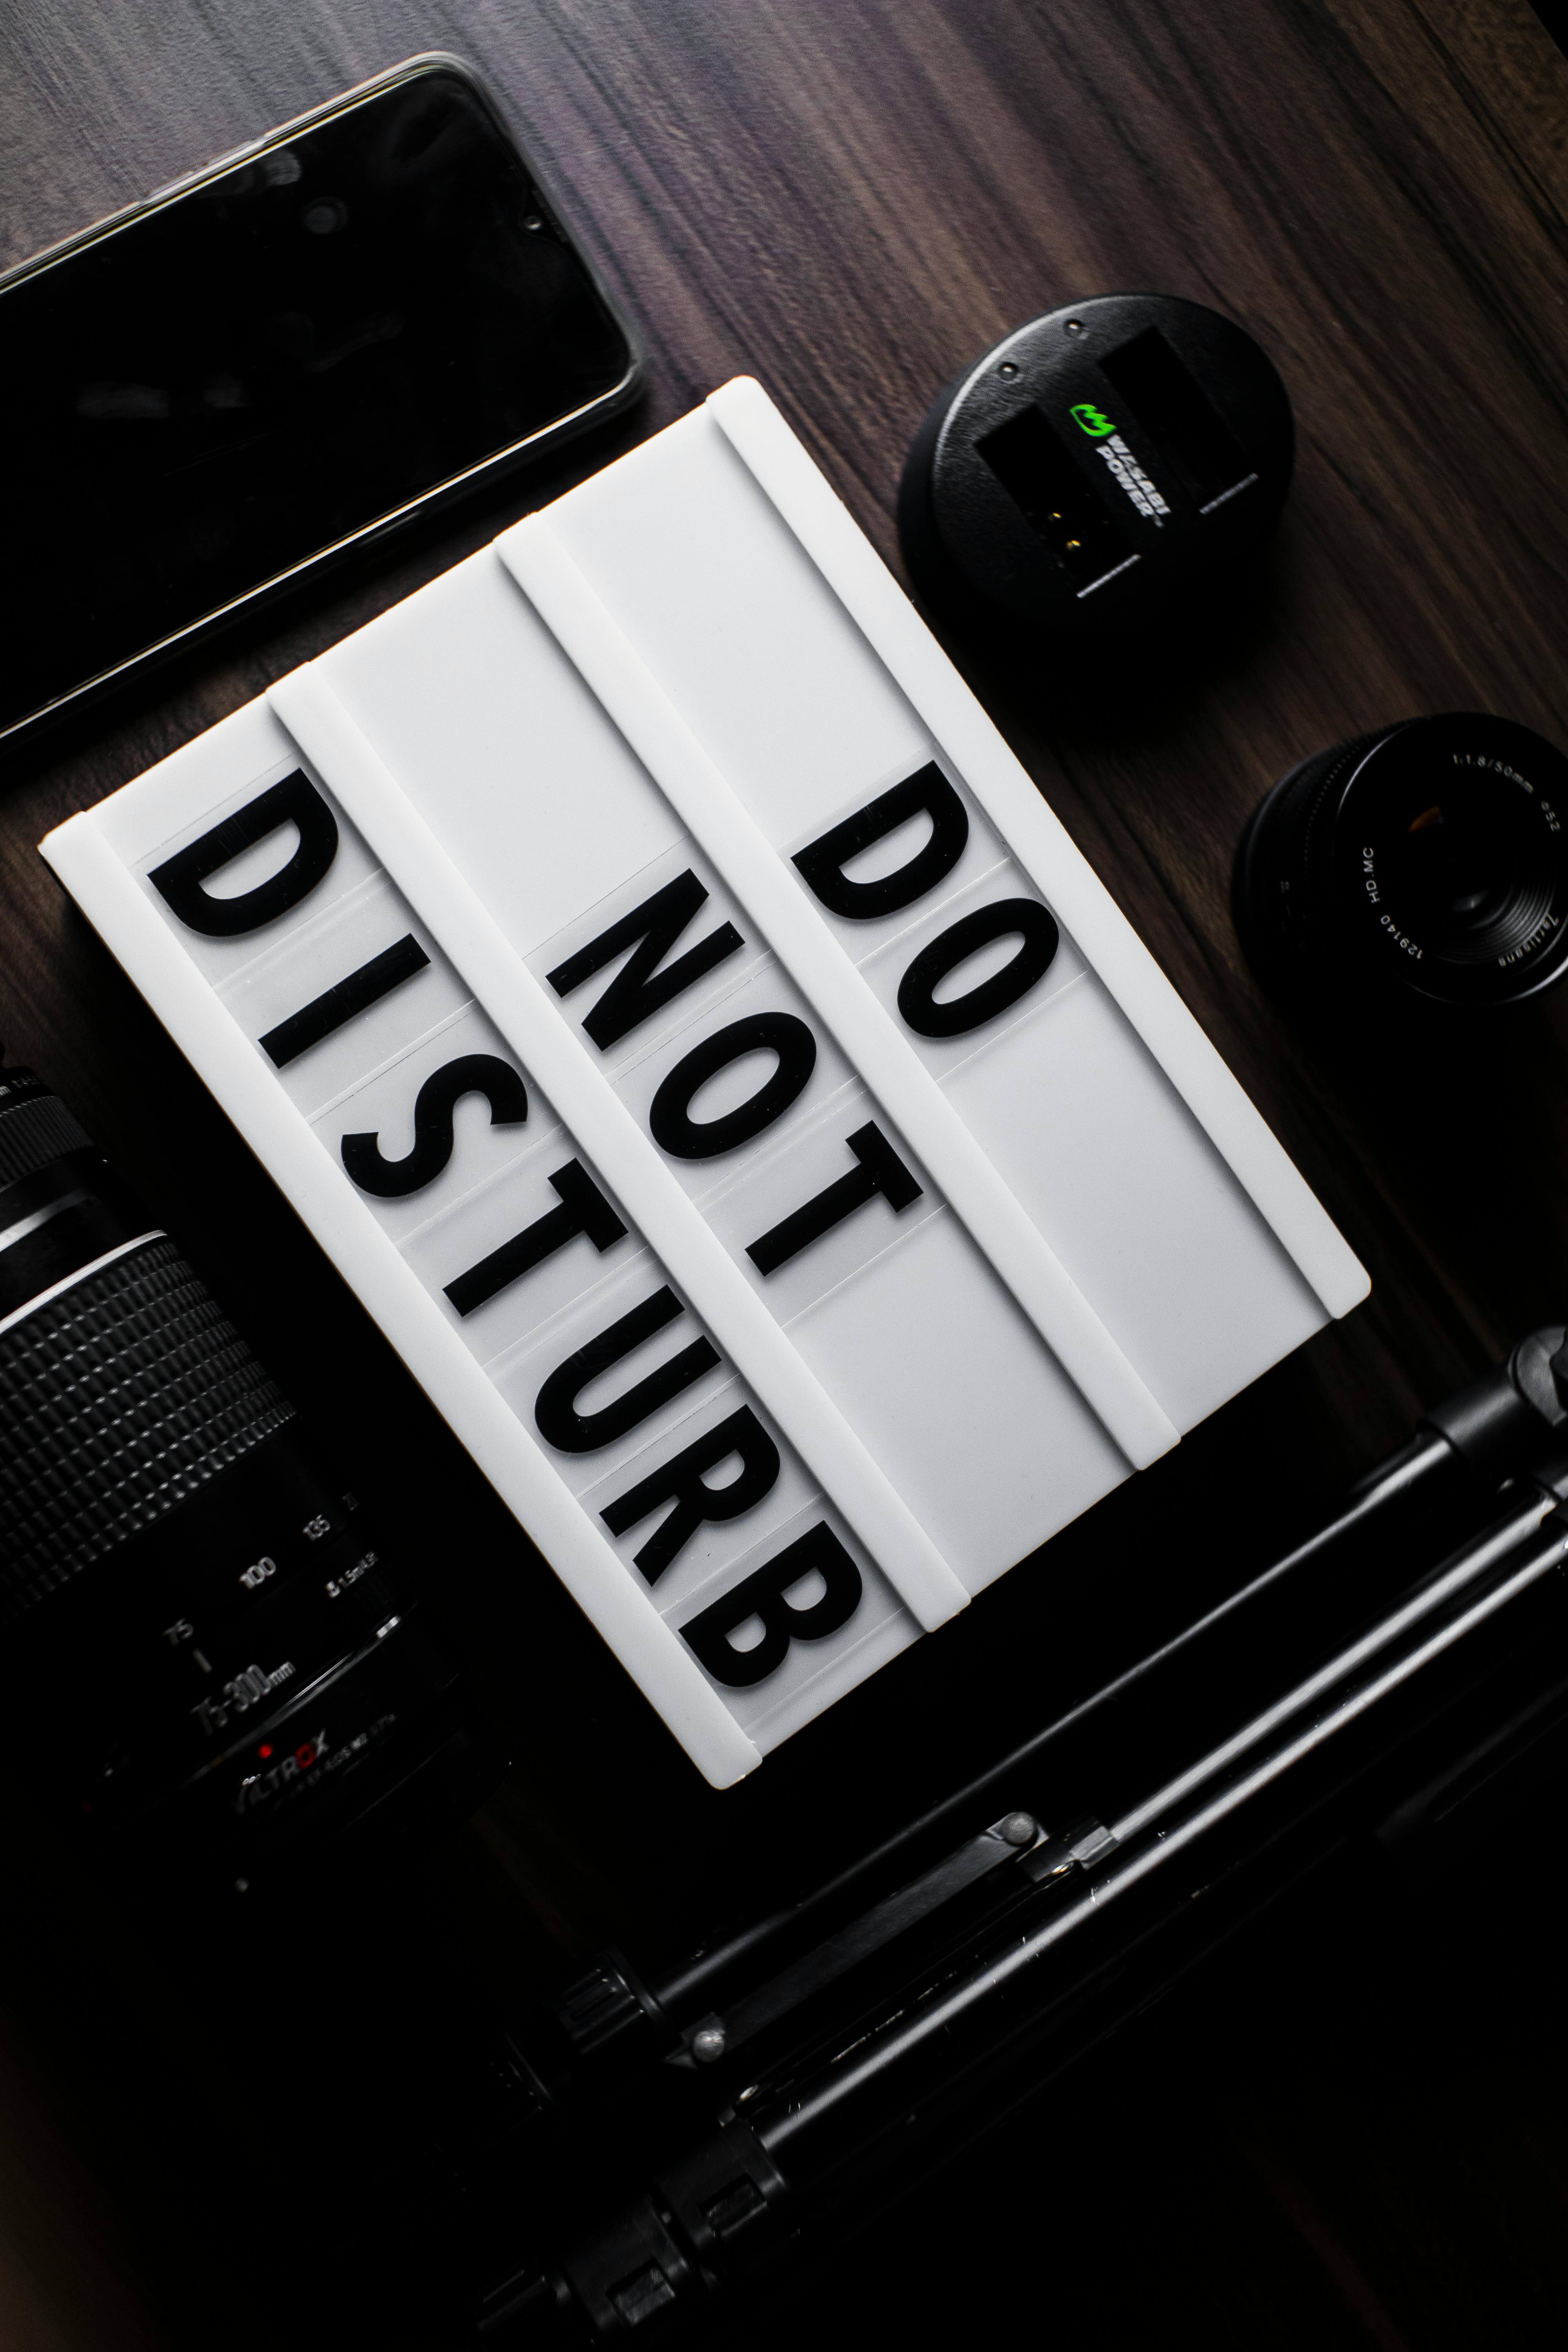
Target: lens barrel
(201, 1647)
(1424, 862)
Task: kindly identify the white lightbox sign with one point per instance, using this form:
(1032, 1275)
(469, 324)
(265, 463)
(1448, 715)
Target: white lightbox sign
(653, 979)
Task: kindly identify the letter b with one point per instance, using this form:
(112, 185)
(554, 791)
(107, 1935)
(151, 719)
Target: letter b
(764, 1595)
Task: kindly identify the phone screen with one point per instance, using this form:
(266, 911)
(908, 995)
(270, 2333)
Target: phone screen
(203, 397)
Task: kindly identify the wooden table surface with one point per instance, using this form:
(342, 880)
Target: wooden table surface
(851, 198)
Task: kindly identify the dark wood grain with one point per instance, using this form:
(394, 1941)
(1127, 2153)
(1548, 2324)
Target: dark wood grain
(850, 198)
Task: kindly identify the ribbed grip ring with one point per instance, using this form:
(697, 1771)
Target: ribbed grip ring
(33, 1133)
(600, 2008)
(118, 1398)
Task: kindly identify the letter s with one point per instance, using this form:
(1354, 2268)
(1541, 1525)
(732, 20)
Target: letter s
(470, 1073)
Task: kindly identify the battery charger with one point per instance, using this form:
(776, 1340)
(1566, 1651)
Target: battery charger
(1095, 463)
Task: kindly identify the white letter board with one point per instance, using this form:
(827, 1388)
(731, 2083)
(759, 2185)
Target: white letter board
(651, 976)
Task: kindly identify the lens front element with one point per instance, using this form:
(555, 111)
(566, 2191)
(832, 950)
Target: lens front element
(1427, 860)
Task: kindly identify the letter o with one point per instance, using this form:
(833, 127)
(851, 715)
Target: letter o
(670, 1119)
(1038, 939)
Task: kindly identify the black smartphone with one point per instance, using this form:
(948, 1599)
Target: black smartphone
(303, 343)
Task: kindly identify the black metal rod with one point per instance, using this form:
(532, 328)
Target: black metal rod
(1417, 1468)
(1428, 1600)
(817, 2120)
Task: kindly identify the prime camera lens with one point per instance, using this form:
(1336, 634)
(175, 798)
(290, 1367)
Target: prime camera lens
(201, 1646)
(1427, 861)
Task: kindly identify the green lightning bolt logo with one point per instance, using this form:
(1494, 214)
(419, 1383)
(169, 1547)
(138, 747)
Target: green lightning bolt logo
(1091, 420)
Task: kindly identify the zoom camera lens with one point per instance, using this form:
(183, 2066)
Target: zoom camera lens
(1427, 861)
(203, 1651)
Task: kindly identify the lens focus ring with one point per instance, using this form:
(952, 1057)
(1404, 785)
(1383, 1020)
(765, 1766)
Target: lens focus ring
(118, 1397)
(33, 1130)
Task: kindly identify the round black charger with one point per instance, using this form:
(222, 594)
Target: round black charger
(1095, 463)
